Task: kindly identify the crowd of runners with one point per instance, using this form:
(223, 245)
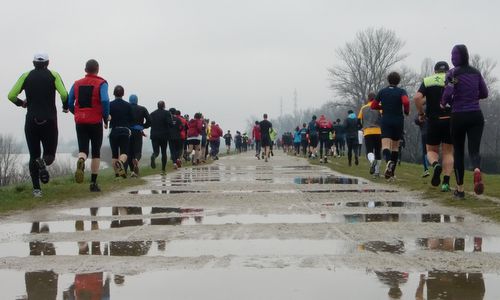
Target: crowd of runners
(448, 109)
(447, 103)
(192, 139)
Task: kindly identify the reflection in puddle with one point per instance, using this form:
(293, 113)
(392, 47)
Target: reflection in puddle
(352, 191)
(266, 283)
(129, 210)
(133, 216)
(372, 204)
(325, 180)
(157, 192)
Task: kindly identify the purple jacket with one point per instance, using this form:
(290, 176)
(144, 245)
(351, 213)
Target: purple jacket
(465, 85)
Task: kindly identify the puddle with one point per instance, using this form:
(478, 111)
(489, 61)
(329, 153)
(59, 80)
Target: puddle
(326, 180)
(129, 210)
(372, 204)
(255, 247)
(132, 217)
(352, 191)
(157, 192)
(266, 283)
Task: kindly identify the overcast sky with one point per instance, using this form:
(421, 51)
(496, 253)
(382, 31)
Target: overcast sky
(226, 58)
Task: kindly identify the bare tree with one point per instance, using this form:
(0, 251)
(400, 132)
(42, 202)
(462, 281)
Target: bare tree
(8, 159)
(364, 64)
(427, 67)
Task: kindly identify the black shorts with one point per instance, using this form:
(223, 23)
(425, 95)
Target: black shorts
(313, 140)
(89, 133)
(439, 132)
(392, 128)
(194, 142)
(266, 141)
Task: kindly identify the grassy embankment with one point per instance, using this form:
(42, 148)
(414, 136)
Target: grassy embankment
(409, 176)
(64, 189)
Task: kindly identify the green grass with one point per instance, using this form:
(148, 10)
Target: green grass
(64, 189)
(409, 176)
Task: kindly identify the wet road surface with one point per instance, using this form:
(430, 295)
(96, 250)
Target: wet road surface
(244, 229)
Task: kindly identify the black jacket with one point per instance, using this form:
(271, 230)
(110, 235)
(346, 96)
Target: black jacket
(141, 116)
(161, 120)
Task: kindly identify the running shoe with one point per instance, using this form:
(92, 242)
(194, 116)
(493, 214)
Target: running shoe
(120, 170)
(478, 183)
(258, 156)
(272, 154)
(80, 169)
(153, 162)
(94, 187)
(426, 174)
(135, 162)
(134, 175)
(372, 167)
(436, 175)
(389, 170)
(458, 195)
(325, 160)
(37, 193)
(445, 188)
(356, 161)
(376, 175)
(42, 171)
(178, 162)
(266, 160)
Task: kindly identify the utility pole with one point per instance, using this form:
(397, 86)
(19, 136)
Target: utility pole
(295, 100)
(281, 107)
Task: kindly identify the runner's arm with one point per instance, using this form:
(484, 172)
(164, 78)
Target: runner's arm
(61, 89)
(447, 97)
(17, 89)
(105, 102)
(147, 119)
(71, 99)
(406, 104)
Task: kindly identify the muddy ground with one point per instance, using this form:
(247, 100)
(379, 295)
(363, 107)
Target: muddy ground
(245, 229)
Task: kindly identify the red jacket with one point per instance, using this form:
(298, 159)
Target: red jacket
(256, 133)
(88, 106)
(184, 128)
(216, 133)
(324, 124)
(195, 127)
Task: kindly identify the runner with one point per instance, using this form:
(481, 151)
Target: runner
(141, 121)
(312, 130)
(227, 139)
(161, 121)
(195, 130)
(121, 119)
(205, 135)
(273, 134)
(183, 150)
(325, 127)
(296, 141)
(216, 134)
(360, 141)
(40, 127)
(370, 121)
(89, 101)
(465, 86)
(304, 139)
(257, 139)
(422, 124)
(244, 142)
(175, 142)
(238, 141)
(339, 138)
(265, 129)
(351, 130)
(395, 102)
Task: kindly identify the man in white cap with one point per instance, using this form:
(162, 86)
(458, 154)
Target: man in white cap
(40, 86)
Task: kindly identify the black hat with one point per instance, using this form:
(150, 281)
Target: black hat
(441, 66)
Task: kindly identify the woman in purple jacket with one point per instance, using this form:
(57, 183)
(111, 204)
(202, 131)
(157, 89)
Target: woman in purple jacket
(464, 88)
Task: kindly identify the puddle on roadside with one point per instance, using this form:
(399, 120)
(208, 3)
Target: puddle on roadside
(266, 283)
(373, 204)
(326, 180)
(352, 191)
(132, 217)
(129, 210)
(159, 192)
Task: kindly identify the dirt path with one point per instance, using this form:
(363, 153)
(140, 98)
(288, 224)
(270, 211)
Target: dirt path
(248, 229)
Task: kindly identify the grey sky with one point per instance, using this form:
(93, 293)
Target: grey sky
(229, 59)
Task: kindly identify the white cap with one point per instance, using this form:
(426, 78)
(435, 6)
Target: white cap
(41, 57)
